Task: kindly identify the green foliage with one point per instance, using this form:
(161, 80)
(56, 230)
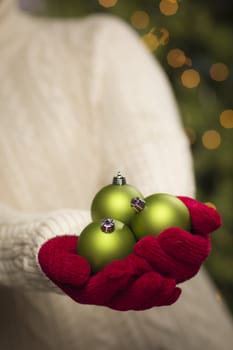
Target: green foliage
(203, 30)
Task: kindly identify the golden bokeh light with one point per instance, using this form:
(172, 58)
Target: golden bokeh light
(108, 3)
(168, 7)
(191, 134)
(211, 139)
(140, 19)
(210, 204)
(151, 41)
(190, 78)
(226, 118)
(219, 71)
(176, 58)
(164, 36)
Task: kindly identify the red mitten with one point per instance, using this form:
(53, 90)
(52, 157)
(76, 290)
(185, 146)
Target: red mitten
(127, 284)
(145, 278)
(176, 253)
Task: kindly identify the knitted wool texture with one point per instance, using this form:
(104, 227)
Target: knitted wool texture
(144, 279)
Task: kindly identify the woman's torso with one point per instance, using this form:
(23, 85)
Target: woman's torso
(49, 159)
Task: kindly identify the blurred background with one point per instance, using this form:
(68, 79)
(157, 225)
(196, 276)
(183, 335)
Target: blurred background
(193, 42)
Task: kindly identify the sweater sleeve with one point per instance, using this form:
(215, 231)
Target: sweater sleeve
(140, 129)
(21, 236)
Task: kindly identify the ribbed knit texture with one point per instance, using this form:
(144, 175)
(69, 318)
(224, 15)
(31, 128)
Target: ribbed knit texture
(21, 236)
(79, 101)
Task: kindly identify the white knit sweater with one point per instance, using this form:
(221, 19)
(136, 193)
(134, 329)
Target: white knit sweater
(79, 101)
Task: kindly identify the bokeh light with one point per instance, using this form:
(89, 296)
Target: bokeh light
(107, 3)
(140, 19)
(226, 118)
(164, 37)
(190, 78)
(211, 139)
(191, 134)
(176, 58)
(168, 7)
(211, 205)
(219, 71)
(151, 41)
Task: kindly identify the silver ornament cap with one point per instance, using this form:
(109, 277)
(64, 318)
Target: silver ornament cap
(138, 203)
(108, 225)
(119, 179)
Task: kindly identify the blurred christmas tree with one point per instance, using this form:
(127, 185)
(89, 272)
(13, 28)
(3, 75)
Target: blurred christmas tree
(193, 42)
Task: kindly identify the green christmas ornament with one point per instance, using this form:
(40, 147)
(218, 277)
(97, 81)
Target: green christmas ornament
(104, 241)
(114, 201)
(157, 213)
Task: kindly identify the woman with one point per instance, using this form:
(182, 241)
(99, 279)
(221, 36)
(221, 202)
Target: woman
(81, 100)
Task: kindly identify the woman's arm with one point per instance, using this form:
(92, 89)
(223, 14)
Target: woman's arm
(21, 236)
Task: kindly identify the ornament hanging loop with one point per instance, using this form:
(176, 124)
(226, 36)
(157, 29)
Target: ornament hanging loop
(119, 179)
